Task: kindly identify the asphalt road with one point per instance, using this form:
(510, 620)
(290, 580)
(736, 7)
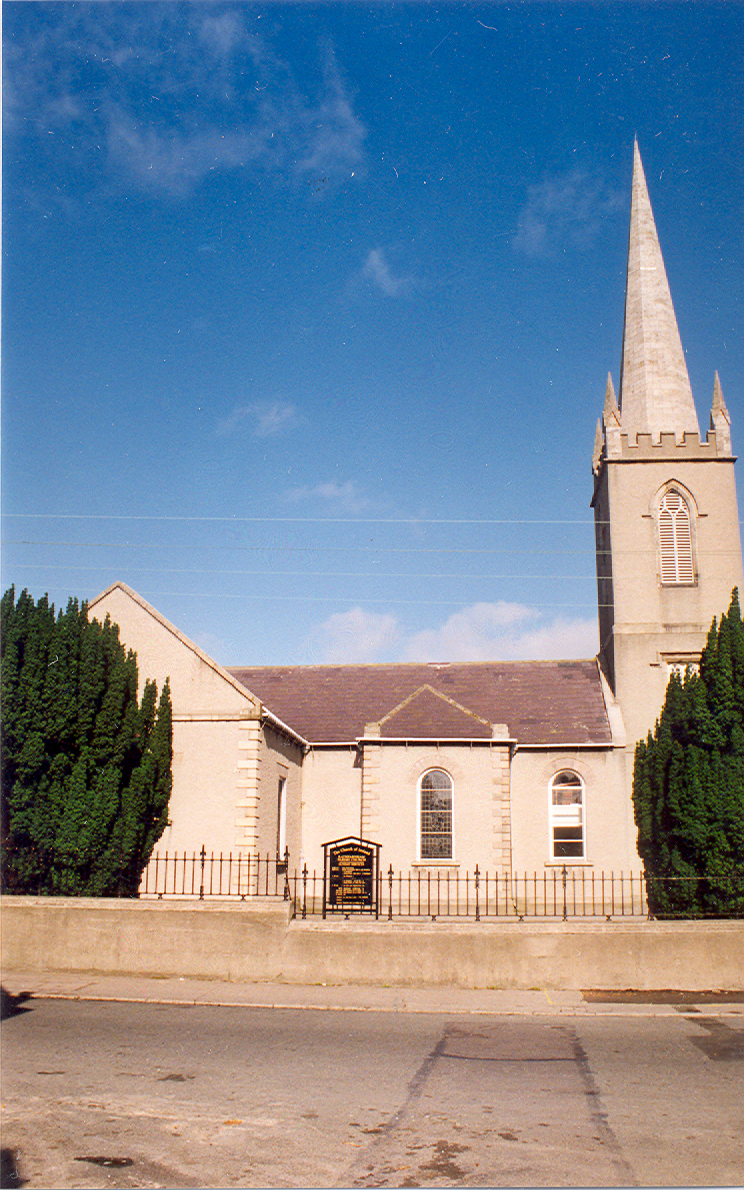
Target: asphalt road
(143, 1095)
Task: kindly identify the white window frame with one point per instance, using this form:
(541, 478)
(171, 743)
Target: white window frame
(420, 833)
(567, 816)
(675, 533)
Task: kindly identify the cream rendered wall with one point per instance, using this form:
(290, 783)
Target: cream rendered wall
(500, 813)
(651, 619)
(217, 737)
(610, 834)
(480, 785)
(280, 758)
(331, 800)
(646, 626)
(204, 802)
(197, 683)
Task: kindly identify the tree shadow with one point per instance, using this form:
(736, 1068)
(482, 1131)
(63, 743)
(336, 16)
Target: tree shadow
(11, 1005)
(9, 1175)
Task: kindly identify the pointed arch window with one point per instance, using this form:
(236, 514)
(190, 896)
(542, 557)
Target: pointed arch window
(675, 539)
(435, 815)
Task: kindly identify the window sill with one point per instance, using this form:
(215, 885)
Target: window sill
(569, 863)
(435, 863)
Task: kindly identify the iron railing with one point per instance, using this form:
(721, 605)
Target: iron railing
(435, 894)
(430, 894)
(205, 875)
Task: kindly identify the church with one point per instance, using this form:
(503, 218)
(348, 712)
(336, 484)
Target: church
(514, 766)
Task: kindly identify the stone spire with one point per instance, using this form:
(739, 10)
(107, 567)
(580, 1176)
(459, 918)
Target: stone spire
(720, 421)
(655, 393)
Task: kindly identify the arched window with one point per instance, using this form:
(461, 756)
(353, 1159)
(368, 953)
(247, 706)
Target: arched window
(675, 539)
(435, 815)
(567, 816)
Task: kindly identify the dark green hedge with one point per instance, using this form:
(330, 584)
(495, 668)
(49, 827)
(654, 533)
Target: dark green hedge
(86, 767)
(688, 785)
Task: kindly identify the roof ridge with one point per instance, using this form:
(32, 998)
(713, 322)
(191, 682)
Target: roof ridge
(379, 665)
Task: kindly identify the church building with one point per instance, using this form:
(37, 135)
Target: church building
(513, 766)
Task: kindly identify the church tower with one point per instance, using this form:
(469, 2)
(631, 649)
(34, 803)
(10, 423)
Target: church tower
(665, 509)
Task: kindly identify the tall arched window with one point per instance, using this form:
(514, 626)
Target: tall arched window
(675, 539)
(567, 816)
(435, 815)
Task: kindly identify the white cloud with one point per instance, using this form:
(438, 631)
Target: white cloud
(503, 632)
(377, 270)
(568, 209)
(558, 639)
(158, 96)
(334, 134)
(172, 163)
(346, 496)
(482, 632)
(354, 636)
(222, 33)
(263, 419)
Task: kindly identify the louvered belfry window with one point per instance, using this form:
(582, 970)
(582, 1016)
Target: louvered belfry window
(675, 539)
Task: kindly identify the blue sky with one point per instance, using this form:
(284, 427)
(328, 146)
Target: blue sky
(308, 308)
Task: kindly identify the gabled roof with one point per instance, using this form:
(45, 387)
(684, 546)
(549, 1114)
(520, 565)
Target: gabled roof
(118, 589)
(146, 607)
(427, 705)
(541, 702)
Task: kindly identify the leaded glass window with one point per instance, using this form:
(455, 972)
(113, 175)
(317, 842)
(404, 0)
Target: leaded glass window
(435, 792)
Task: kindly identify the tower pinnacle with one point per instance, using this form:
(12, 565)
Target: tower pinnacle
(655, 393)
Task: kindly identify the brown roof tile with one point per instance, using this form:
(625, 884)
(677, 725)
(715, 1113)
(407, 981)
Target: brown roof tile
(541, 702)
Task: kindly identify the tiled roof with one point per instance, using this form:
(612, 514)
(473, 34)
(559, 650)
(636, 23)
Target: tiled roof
(541, 702)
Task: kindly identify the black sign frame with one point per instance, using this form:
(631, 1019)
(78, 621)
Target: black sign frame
(351, 876)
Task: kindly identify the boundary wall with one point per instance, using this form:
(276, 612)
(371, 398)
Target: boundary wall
(257, 942)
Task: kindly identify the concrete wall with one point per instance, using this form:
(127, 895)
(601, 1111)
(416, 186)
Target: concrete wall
(256, 942)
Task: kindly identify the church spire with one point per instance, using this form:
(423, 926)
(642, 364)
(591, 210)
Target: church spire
(655, 393)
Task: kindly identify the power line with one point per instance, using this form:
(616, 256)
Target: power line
(331, 549)
(211, 595)
(289, 549)
(306, 573)
(282, 520)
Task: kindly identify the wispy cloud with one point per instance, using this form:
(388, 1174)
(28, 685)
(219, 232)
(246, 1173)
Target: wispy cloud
(222, 33)
(354, 636)
(377, 271)
(569, 209)
(345, 497)
(263, 419)
(498, 631)
(157, 96)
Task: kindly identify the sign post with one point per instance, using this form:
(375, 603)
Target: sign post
(351, 871)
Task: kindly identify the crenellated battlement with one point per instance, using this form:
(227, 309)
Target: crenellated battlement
(635, 448)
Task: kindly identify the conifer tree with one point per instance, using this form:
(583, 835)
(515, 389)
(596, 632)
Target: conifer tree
(688, 784)
(86, 768)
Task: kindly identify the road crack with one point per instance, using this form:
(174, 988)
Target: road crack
(354, 1175)
(625, 1173)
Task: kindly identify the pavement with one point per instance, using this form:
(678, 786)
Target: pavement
(19, 986)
